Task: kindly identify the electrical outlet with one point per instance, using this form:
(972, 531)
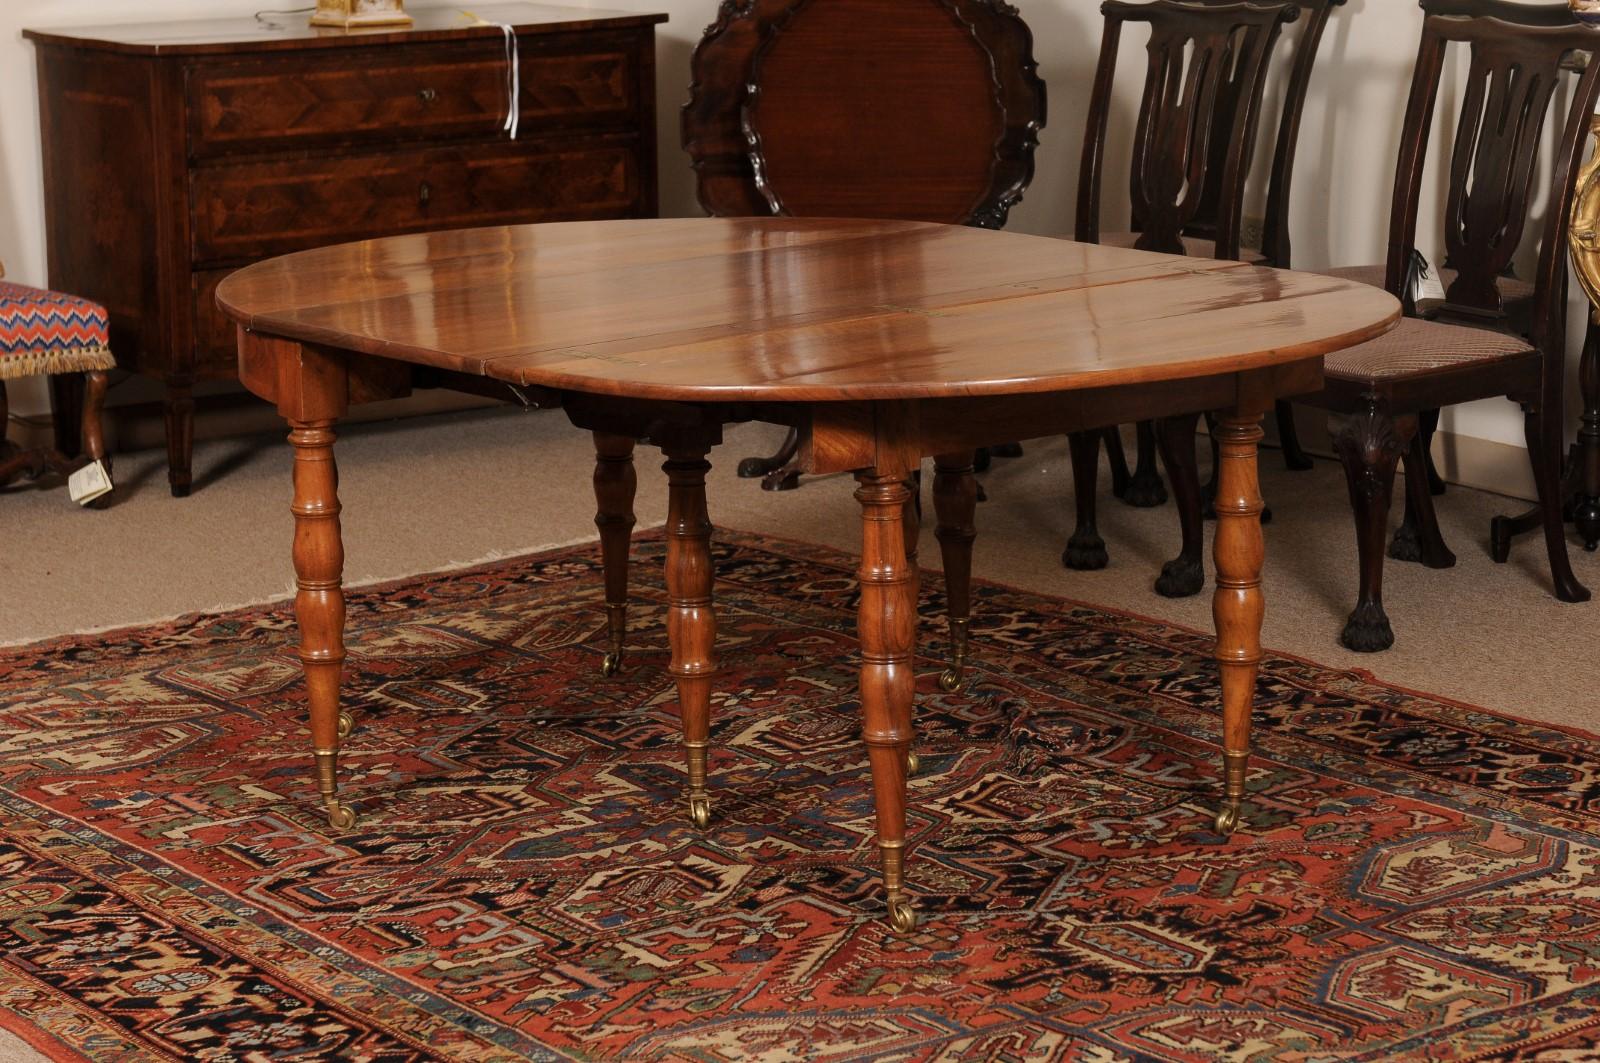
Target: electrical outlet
(1253, 232)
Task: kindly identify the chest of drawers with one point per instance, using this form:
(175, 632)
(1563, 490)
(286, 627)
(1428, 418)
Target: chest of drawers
(175, 153)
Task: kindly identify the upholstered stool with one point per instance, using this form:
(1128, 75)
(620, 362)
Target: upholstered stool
(45, 332)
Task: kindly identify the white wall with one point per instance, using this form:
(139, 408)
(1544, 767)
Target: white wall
(1343, 183)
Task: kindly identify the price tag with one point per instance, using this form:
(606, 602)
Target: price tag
(89, 483)
(1426, 287)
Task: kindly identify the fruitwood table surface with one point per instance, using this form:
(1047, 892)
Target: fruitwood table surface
(883, 343)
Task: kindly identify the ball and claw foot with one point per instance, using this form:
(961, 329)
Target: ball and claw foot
(1227, 820)
(1181, 578)
(1367, 630)
(1406, 545)
(902, 917)
(1145, 491)
(700, 812)
(347, 723)
(1085, 552)
(913, 764)
(340, 816)
(611, 664)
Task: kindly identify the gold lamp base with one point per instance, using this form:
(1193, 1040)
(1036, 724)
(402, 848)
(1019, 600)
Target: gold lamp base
(360, 14)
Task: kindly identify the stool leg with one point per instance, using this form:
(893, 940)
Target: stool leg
(94, 404)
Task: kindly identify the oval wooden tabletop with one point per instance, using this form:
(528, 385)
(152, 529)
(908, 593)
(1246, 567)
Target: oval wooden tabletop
(785, 309)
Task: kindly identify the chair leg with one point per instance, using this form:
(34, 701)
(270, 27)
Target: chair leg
(1006, 450)
(1184, 575)
(775, 472)
(1145, 489)
(1370, 443)
(1427, 425)
(615, 484)
(1120, 477)
(1544, 451)
(1085, 551)
(1586, 505)
(955, 502)
(1418, 538)
(1295, 458)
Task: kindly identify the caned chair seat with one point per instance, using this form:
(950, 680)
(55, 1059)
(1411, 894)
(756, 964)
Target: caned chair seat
(1424, 348)
(48, 332)
(1517, 295)
(1193, 246)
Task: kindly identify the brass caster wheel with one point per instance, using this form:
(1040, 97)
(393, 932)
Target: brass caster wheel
(902, 917)
(700, 811)
(611, 665)
(951, 681)
(913, 764)
(347, 723)
(341, 817)
(1227, 820)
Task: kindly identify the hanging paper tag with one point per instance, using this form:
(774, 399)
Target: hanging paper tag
(89, 483)
(1425, 285)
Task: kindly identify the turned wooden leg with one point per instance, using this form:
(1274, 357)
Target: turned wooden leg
(1295, 458)
(887, 625)
(614, 486)
(955, 501)
(1184, 575)
(691, 616)
(1369, 444)
(1085, 551)
(1145, 489)
(180, 435)
(911, 528)
(1586, 506)
(1238, 606)
(1418, 538)
(319, 600)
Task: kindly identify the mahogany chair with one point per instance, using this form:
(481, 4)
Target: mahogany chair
(1490, 336)
(923, 110)
(49, 333)
(1193, 145)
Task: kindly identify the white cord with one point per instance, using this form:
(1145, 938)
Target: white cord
(513, 73)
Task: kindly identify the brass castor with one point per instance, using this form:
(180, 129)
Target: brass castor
(1227, 820)
(341, 817)
(347, 723)
(902, 917)
(700, 811)
(913, 764)
(611, 665)
(951, 680)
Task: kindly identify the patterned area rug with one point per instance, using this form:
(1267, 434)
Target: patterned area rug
(1415, 879)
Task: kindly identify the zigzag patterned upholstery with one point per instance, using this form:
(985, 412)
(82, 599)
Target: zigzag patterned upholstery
(47, 332)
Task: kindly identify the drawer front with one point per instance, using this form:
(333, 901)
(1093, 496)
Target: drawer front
(407, 93)
(246, 211)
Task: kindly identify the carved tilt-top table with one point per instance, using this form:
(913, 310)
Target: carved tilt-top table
(882, 343)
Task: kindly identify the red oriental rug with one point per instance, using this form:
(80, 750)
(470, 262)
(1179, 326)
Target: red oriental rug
(1416, 879)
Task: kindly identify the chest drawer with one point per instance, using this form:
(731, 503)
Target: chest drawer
(406, 93)
(249, 210)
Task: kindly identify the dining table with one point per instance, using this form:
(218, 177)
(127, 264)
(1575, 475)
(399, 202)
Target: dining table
(882, 343)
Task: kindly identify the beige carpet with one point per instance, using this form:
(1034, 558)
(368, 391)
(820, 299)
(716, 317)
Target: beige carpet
(436, 492)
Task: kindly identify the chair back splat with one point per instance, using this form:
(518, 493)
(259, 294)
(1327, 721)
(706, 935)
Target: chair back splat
(926, 110)
(1205, 60)
(1515, 67)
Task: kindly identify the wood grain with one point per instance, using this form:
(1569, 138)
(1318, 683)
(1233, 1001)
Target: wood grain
(781, 309)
